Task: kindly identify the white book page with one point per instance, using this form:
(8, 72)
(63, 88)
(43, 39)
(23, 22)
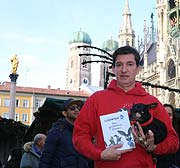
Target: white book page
(117, 129)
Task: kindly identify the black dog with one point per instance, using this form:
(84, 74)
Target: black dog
(140, 112)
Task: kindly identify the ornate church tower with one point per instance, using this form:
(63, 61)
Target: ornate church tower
(168, 48)
(162, 30)
(110, 46)
(77, 73)
(126, 33)
(126, 37)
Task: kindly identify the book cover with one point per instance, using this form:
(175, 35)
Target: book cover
(116, 129)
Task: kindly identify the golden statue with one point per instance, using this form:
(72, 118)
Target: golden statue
(14, 62)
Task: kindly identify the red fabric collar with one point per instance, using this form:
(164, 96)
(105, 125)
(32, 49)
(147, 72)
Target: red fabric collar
(148, 122)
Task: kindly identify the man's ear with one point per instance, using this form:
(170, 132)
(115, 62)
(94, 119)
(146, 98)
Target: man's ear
(64, 113)
(138, 69)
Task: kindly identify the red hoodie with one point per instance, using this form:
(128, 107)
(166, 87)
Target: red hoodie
(87, 126)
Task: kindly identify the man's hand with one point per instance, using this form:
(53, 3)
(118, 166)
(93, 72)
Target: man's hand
(138, 134)
(146, 141)
(150, 146)
(112, 153)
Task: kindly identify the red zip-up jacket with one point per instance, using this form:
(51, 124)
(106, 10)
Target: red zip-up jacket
(87, 126)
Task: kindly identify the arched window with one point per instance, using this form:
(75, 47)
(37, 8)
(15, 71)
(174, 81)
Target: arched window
(127, 42)
(84, 65)
(172, 98)
(172, 4)
(72, 62)
(171, 69)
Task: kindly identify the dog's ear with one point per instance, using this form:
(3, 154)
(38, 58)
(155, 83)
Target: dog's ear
(152, 105)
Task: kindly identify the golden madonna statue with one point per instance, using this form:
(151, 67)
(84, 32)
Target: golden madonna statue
(14, 63)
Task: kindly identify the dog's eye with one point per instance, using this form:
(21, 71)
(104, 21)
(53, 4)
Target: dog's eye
(142, 112)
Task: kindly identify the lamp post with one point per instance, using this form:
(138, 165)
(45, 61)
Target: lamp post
(13, 76)
(106, 58)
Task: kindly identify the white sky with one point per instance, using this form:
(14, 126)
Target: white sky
(38, 31)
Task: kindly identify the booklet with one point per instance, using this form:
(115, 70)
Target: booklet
(116, 129)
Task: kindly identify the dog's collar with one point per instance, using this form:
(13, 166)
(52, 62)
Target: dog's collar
(148, 122)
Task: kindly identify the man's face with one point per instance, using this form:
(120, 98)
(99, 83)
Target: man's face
(42, 142)
(72, 112)
(125, 71)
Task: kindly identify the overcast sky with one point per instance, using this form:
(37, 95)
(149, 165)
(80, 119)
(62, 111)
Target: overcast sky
(38, 31)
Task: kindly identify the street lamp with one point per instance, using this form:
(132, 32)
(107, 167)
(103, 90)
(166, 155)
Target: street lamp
(106, 58)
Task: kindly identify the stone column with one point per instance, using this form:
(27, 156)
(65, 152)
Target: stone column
(13, 78)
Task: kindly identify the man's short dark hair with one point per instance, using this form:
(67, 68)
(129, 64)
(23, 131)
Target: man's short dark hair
(126, 50)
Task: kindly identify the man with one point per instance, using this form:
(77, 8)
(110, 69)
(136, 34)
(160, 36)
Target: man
(59, 151)
(32, 152)
(121, 93)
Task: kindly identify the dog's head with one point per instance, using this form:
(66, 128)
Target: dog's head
(140, 112)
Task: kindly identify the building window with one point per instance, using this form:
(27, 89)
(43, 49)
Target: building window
(85, 64)
(127, 42)
(6, 102)
(6, 115)
(25, 103)
(171, 70)
(172, 4)
(38, 103)
(16, 117)
(24, 118)
(17, 102)
(71, 81)
(132, 42)
(72, 64)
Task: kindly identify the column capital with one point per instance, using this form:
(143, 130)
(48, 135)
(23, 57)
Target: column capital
(13, 77)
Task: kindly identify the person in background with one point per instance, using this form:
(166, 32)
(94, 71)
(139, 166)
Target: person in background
(170, 110)
(59, 151)
(32, 152)
(122, 92)
(170, 160)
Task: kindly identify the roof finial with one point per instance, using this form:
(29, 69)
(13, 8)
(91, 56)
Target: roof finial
(126, 9)
(152, 28)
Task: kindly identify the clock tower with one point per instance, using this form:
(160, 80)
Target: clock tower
(77, 73)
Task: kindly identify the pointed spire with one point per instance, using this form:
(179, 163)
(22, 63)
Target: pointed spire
(126, 9)
(152, 29)
(145, 34)
(126, 33)
(127, 25)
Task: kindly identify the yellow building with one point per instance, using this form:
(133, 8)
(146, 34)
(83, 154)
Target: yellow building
(29, 99)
